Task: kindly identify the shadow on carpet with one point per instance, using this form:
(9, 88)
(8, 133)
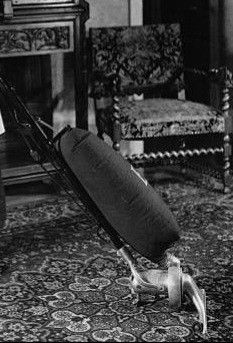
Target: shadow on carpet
(64, 281)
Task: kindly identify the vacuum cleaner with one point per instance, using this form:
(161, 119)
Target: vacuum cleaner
(121, 201)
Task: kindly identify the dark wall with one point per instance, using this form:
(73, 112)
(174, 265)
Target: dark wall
(193, 15)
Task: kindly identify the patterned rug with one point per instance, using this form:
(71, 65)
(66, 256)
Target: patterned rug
(64, 281)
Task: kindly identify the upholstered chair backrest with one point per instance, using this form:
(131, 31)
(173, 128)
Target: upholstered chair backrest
(140, 56)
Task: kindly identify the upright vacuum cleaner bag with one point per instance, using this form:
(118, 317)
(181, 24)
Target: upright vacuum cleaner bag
(127, 201)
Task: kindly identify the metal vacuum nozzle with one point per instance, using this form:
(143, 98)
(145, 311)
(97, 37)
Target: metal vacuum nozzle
(174, 281)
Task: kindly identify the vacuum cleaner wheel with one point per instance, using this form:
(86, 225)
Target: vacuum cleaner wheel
(175, 286)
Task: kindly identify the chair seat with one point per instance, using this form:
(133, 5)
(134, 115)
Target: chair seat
(166, 117)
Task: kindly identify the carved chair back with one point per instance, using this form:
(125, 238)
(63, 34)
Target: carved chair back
(135, 59)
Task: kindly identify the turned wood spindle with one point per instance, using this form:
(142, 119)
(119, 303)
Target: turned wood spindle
(116, 124)
(227, 140)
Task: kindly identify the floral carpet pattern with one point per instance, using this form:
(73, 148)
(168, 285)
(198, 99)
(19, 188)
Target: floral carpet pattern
(64, 282)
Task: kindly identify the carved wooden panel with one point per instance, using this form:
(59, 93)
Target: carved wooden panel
(35, 39)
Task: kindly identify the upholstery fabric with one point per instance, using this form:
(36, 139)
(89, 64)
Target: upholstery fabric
(165, 117)
(141, 55)
(128, 202)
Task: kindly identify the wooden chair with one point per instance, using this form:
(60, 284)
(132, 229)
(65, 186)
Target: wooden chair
(148, 60)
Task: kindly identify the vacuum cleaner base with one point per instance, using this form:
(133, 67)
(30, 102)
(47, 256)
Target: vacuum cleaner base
(172, 281)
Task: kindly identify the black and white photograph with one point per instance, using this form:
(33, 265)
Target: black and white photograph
(116, 180)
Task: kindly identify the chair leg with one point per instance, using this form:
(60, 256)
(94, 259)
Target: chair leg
(2, 204)
(99, 124)
(116, 135)
(100, 133)
(226, 139)
(227, 165)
